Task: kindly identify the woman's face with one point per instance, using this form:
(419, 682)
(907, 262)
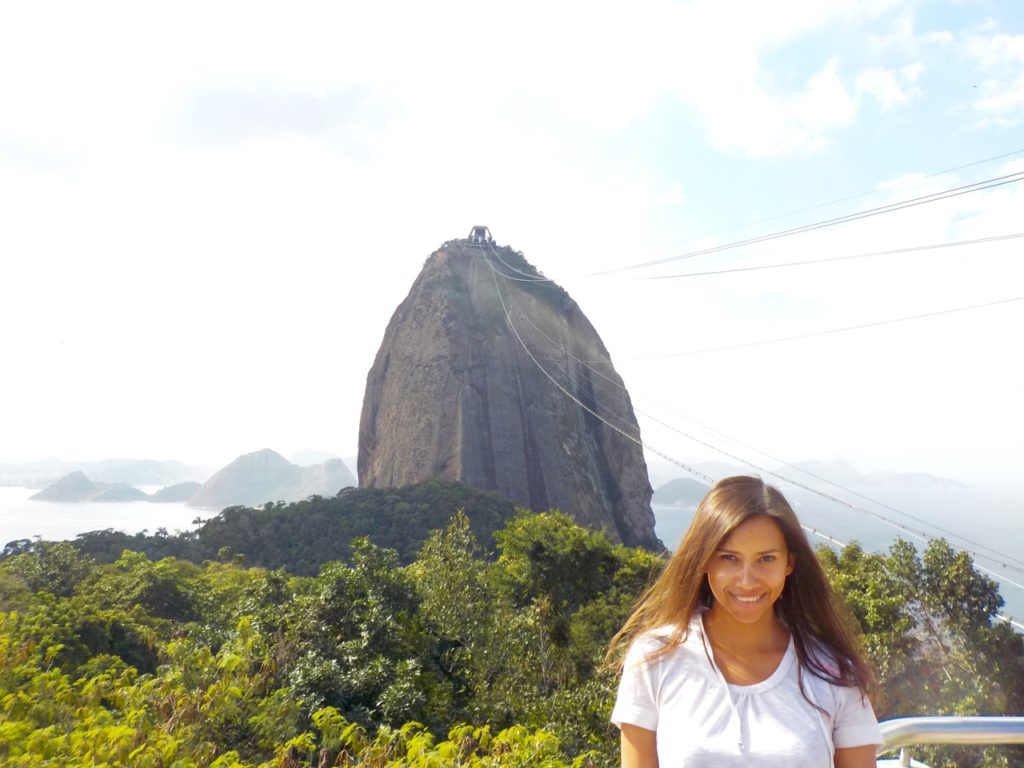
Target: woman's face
(748, 571)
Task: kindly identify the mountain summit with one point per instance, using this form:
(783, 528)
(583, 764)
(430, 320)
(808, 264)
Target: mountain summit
(490, 375)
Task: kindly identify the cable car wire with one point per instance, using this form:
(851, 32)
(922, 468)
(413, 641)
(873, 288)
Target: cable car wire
(826, 259)
(890, 208)
(877, 190)
(634, 438)
(527, 277)
(828, 331)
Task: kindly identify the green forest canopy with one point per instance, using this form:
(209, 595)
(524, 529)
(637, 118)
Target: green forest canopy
(442, 650)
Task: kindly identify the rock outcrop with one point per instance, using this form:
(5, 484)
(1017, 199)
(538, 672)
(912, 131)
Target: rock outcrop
(491, 375)
(263, 476)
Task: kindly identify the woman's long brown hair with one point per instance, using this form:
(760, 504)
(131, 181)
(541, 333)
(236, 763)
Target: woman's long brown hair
(825, 643)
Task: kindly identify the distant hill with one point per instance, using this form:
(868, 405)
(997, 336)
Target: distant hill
(77, 487)
(681, 492)
(843, 473)
(178, 492)
(266, 476)
(309, 456)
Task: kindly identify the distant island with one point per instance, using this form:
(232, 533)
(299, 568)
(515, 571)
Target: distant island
(250, 480)
(77, 487)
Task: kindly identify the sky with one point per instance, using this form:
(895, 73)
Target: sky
(209, 211)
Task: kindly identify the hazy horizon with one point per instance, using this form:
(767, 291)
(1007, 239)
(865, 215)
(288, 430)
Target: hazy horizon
(659, 470)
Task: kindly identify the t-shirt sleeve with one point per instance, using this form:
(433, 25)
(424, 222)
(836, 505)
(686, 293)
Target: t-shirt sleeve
(636, 703)
(855, 722)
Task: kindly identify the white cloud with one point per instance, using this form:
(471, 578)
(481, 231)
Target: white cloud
(883, 86)
(757, 122)
(899, 35)
(911, 73)
(594, 66)
(999, 59)
(941, 37)
(724, 72)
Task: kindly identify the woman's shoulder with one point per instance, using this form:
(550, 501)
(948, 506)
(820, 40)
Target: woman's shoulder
(666, 640)
(657, 638)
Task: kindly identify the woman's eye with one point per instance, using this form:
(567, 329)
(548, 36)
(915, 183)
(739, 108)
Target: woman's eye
(768, 558)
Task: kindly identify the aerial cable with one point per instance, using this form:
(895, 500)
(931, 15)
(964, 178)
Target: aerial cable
(894, 251)
(826, 332)
(993, 555)
(890, 208)
(580, 403)
(527, 277)
(821, 535)
(521, 279)
(875, 191)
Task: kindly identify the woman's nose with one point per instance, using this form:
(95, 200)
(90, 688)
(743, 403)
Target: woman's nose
(747, 574)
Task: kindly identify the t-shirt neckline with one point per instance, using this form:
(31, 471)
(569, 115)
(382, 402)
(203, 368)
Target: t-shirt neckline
(776, 677)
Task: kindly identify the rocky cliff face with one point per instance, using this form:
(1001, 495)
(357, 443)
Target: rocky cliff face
(453, 394)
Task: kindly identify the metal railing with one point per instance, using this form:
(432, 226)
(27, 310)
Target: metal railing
(911, 731)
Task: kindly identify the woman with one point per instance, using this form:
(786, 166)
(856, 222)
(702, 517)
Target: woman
(738, 654)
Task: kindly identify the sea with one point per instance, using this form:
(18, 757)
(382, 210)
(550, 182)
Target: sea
(24, 518)
(995, 525)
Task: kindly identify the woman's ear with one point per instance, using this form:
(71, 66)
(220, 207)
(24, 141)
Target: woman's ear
(790, 564)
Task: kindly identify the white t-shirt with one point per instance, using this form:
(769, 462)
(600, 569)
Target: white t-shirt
(701, 721)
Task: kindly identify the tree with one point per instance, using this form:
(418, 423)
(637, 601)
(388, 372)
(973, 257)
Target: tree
(54, 567)
(930, 629)
(364, 647)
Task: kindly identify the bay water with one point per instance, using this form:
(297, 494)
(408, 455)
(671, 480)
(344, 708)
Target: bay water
(24, 518)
